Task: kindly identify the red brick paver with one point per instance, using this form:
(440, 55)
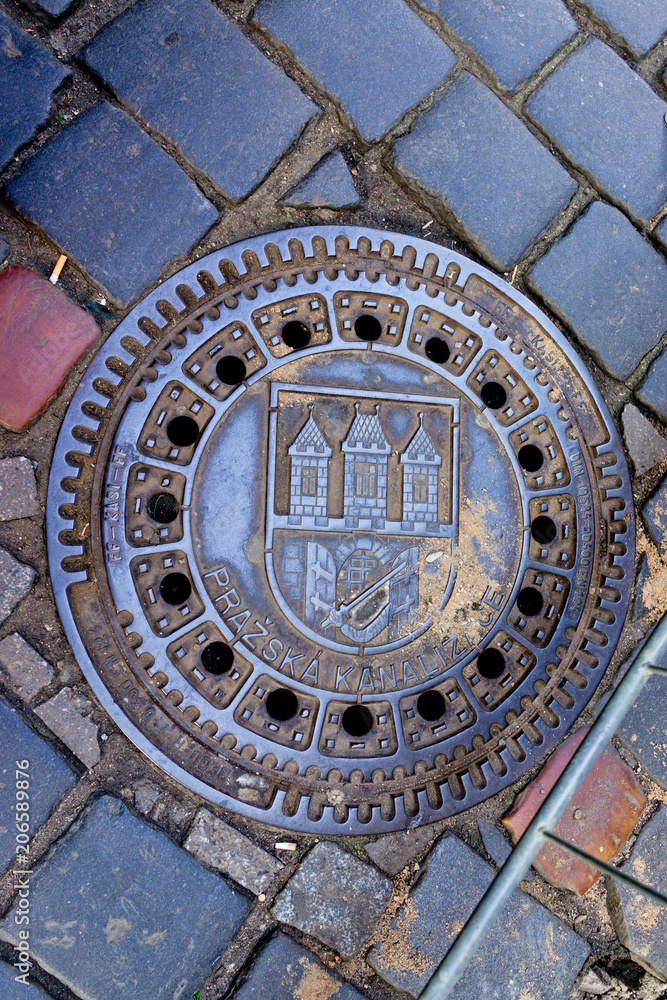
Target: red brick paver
(599, 819)
(42, 334)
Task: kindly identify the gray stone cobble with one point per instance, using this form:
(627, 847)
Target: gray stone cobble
(285, 971)
(5, 250)
(497, 846)
(220, 846)
(18, 489)
(609, 285)
(16, 580)
(54, 7)
(328, 183)
(609, 122)
(528, 953)
(472, 152)
(232, 112)
(119, 910)
(146, 795)
(66, 715)
(394, 851)
(134, 207)
(335, 898)
(377, 57)
(654, 390)
(655, 515)
(641, 22)
(596, 982)
(645, 445)
(49, 777)
(643, 577)
(644, 729)
(661, 230)
(29, 75)
(22, 666)
(513, 38)
(10, 989)
(640, 923)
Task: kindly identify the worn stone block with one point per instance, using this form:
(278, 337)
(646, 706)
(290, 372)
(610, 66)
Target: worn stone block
(394, 851)
(4, 250)
(119, 910)
(459, 152)
(134, 207)
(11, 990)
(609, 285)
(231, 110)
(641, 22)
(334, 897)
(18, 489)
(528, 953)
(42, 334)
(642, 581)
(23, 668)
(661, 230)
(654, 390)
(655, 515)
(609, 122)
(146, 795)
(285, 971)
(497, 847)
(29, 75)
(16, 581)
(49, 777)
(599, 819)
(644, 729)
(645, 445)
(640, 923)
(54, 7)
(377, 57)
(513, 38)
(329, 183)
(220, 846)
(596, 982)
(65, 715)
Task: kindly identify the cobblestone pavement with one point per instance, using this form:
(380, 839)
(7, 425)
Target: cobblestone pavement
(137, 137)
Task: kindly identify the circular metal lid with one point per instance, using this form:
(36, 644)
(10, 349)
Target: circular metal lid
(340, 530)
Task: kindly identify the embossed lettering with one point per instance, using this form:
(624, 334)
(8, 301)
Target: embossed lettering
(231, 599)
(366, 680)
(288, 661)
(312, 671)
(217, 574)
(255, 635)
(341, 677)
(450, 657)
(409, 672)
(239, 619)
(276, 646)
(384, 676)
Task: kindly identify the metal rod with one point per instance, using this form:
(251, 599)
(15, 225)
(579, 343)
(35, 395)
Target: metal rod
(645, 890)
(488, 909)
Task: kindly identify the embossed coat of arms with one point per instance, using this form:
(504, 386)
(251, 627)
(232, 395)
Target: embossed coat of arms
(362, 492)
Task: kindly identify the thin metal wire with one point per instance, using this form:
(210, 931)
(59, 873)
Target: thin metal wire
(495, 898)
(616, 873)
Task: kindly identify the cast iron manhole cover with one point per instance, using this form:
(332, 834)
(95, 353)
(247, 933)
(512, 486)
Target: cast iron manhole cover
(340, 530)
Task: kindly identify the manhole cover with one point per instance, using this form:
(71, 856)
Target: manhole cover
(340, 530)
